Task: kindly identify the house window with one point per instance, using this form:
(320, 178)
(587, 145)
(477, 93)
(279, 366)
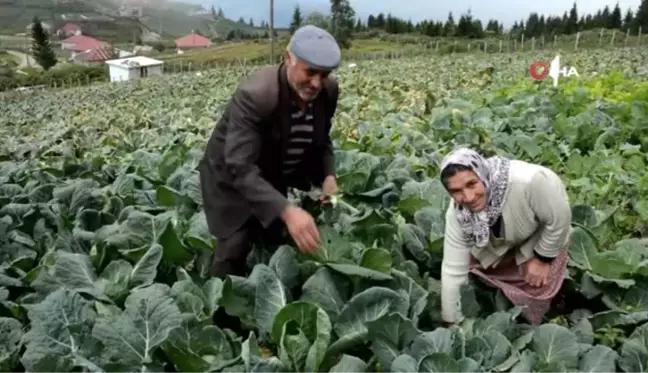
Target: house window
(143, 72)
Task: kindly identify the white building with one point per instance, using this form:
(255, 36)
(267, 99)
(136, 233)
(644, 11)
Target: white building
(131, 68)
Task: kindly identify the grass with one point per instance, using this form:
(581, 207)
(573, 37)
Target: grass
(7, 60)
(258, 50)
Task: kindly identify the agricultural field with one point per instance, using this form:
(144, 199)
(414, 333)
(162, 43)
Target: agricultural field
(106, 253)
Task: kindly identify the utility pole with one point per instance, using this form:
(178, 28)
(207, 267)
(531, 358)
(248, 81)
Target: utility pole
(272, 60)
(30, 50)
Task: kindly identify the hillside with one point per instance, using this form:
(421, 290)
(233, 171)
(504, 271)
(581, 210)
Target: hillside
(107, 19)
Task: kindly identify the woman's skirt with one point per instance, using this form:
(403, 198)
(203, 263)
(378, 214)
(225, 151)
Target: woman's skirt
(509, 277)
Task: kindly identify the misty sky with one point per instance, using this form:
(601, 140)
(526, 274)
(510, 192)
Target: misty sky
(507, 11)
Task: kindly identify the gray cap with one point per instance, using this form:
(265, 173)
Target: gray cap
(316, 47)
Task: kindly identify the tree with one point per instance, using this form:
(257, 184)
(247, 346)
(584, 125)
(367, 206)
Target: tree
(380, 21)
(296, 20)
(628, 20)
(359, 27)
(641, 17)
(468, 27)
(493, 26)
(614, 21)
(342, 22)
(571, 24)
(534, 25)
(449, 27)
(251, 22)
(318, 19)
(41, 48)
(371, 21)
(220, 13)
(213, 12)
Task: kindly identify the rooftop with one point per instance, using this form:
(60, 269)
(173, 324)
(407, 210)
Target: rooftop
(96, 55)
(81, 43)
(193, 40)
(134, 62)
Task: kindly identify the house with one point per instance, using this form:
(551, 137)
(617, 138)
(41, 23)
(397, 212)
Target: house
(124, 53)
(132, 68)
(81, 43)
(142, 49)
(192, 40)
(69, 29)
(94, 56)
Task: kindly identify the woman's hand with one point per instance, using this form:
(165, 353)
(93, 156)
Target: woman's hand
(537, 272)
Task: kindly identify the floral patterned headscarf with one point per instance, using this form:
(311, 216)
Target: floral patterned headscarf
(494, 173)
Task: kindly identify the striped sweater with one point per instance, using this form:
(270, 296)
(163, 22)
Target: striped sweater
(301, 137)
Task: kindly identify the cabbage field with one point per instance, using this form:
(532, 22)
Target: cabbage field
(106, 254)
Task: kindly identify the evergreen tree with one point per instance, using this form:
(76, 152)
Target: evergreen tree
(220, 13)
(469, 27)
(251, 23)
(371, 21)
(449, 27)
(380, 21)
(641, 17)
(41, 48)
(493, 26)
(628, 20)
(342, 22)
(297, 20)
(615, 18)
(533, 25)
(571, 22)
(604, 21)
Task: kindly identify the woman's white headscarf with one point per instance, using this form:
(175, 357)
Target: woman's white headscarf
(494, 173)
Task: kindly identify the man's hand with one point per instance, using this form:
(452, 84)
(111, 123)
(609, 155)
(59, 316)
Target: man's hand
(329, 188)
(302, 229)
(537, 272)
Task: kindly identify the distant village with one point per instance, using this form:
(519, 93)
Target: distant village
(119, 38)
(80, 48)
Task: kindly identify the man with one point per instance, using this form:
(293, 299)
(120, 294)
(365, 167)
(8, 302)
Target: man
(273, 135)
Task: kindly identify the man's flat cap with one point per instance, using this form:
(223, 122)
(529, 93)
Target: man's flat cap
(316, 47)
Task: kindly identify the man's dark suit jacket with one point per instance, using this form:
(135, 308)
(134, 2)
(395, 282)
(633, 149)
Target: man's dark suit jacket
(240, 173)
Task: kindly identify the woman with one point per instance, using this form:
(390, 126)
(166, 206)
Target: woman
(509, 223)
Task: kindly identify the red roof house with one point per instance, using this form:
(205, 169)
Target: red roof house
(193, 40)
(96, 55)
(81, 43)
(69, 29)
